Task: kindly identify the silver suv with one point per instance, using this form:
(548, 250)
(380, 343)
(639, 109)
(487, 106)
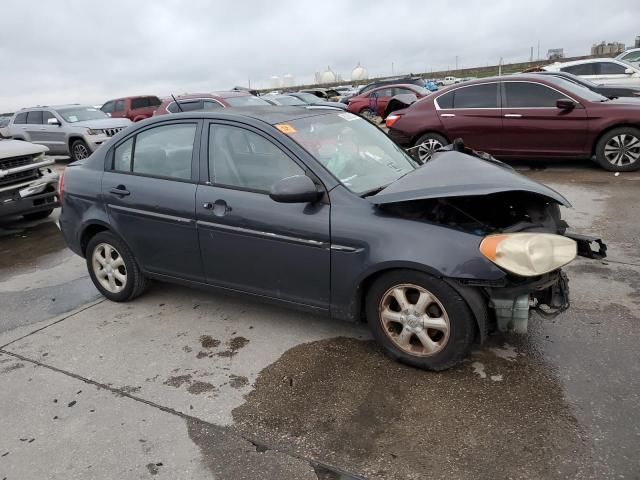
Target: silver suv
(74, 130)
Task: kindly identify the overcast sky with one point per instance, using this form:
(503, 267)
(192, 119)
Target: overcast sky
(88, 51)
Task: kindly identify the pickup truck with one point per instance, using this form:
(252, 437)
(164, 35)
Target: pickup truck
(27, 186)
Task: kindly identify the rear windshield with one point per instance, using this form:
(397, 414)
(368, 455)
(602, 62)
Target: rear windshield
(287, 100)
(245, 101)
(80, 114)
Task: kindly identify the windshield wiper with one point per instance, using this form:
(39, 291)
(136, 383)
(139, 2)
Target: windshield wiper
(373, 191)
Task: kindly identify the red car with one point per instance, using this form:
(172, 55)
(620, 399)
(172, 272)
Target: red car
(134, 108)
(209, 101)
(374, 102)
(524, 116)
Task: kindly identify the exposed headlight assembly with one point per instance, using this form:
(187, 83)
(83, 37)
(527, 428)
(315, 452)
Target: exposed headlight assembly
(529, 254)
(94, 131)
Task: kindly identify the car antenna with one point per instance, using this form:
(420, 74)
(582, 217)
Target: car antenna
(177, 103)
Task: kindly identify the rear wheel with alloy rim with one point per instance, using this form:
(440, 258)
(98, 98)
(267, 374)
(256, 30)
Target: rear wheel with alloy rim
(113, 269)
(619, 150)
(427, 145)
(420, 320)
(79, 150)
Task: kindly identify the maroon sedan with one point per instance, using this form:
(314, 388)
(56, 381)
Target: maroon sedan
(374, 102)
(208, 101)
(524, 116)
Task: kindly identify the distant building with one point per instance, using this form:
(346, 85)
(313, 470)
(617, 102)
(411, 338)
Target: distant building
(554, 54)
(637, 44)
(329, 76)
(603, 49)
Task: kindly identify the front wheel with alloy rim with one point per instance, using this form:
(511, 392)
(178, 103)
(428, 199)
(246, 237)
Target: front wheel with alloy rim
(79, 150)
(619, 150)
(420, 320)
(427, 145)
(113, 269)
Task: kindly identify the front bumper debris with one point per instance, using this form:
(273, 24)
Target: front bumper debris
(30, 197)
(512, 306)
(587, 246)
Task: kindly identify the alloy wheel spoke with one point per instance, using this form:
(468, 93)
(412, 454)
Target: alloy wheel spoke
(118, 276)
(108, 253)
(423, 302)
(404, 337)
(400, 295)
(428, 345)
(102, 273)
(435, 323)
(389, 316)
(118, 262)
(112, 284)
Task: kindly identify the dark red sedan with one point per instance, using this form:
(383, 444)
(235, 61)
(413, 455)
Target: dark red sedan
(374, 102)
(524, 116)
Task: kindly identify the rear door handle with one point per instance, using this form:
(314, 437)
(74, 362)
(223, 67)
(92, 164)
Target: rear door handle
(512, 115)
(447, 115)
(120, 190)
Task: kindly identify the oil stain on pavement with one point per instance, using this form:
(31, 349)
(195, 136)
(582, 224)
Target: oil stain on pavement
(342, 401)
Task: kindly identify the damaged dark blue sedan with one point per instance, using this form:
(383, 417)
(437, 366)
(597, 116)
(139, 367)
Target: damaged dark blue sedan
(320, 210)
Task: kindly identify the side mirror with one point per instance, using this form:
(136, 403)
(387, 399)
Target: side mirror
(53, 121)
(629, 71)
(565, 104)
(295, 189)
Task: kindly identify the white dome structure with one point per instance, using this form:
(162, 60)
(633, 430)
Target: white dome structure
(359, 73)
(288, 80)
(275, 82)
(328, 77)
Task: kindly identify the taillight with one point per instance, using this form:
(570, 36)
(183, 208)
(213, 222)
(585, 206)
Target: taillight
(61, 186)
(391, 119)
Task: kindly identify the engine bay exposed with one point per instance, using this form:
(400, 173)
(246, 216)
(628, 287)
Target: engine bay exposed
(512, 211)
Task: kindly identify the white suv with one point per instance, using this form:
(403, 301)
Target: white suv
(631, 56)
(74, 130)
(603, 71)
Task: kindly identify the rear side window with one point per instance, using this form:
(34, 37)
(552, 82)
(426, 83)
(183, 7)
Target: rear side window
(584, 69)
(610, 68)
(108, 107)
(154, 101)
(243, 159)
(35, 117)
(477, 96)
(528, 95)
(21, 118)
(187, 106)
(211, 105)
(164, 151)
(139, 102)
(384, 92)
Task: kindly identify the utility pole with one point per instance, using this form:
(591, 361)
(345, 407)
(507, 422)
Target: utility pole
(391, 68)
(531, 56)
(456, 62)
(538, 50)
(249, 78)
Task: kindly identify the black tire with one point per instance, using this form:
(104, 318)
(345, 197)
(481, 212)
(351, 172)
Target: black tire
(431, 139)
(135, 284)
(77, 147)
(38, 215)
(622, 160)
(462, 326)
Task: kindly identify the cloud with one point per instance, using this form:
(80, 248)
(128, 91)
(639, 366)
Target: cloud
(87, 51)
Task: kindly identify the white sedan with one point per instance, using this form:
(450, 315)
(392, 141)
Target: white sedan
(631, 56)
(603, 71)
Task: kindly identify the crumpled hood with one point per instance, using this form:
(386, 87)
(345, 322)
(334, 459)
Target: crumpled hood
(455, 174)
(104, 123)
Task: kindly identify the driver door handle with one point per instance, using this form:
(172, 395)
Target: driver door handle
(513, 115)
(120, 190)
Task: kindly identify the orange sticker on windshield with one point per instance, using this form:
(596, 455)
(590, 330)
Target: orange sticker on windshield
(286, 128)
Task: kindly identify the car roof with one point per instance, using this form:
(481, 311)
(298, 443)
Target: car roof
(55, 107)
(581, 62)
(212, 95)
(270, 114)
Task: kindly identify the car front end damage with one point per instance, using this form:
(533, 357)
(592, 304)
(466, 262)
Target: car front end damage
(27, 185)
(519, 228)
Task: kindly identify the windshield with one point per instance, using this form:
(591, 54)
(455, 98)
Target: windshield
(245, 101)
(357, 153)
(579, 90)
(287, 100)
(80, 114)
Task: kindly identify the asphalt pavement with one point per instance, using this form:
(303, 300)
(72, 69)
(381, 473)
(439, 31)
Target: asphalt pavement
(187, 384)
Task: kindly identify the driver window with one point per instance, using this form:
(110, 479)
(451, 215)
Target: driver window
(243, 159)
